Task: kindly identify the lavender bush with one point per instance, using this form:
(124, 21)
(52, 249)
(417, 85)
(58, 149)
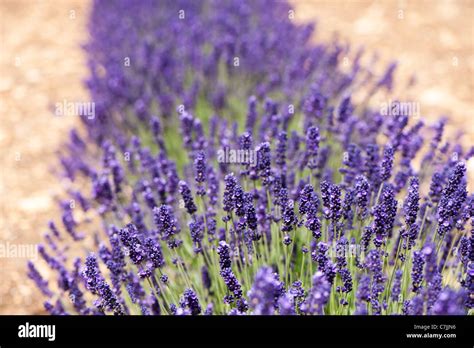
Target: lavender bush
(233, 167)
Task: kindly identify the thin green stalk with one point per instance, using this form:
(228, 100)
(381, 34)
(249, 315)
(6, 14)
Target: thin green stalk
(162, 307)
(393, 270)
(182, 270)
(451, 247)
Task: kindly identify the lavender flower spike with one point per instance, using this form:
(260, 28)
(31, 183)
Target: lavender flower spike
(265, 290)
(318, 296)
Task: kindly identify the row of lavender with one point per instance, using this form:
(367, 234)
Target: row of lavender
(228, 171)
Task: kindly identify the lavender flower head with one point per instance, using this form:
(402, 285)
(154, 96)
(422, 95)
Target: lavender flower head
(191, 301)
(130, 239)
(187, 198)
(362, 192)
(200, 171)
(265, 289)
(167, 225)
(312, 146)
(387, 163)
(411, 204)
(318, 296)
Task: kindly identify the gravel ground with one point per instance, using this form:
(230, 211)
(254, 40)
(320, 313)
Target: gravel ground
(42, 64)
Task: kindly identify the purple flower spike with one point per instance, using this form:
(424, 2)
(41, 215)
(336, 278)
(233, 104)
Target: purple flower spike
(252, 114)
(318, 296)
(250, 213)
(397, 283)
(97, 285)
(196, 228)
(280, 153)
(384, 214)
(191, 301)
(264, 163)
(450, 302)
(313, 223)
(187, 198)
(232, 283)
(308, 204)
(345, 110)
(167, 225)
(312, 146)
(362, 192)
(308, 200)
(224, 255)
(265, 290)
(351, 160)
(335, 203)
(289, 217)
(373, 263)
(228, 199)
(346, 280)
(469, 284)
(411, 204)
(363, 295)
(70, 224)
(387, 163)
(286, 305)
(102, 190)
(42, 284)
(371, 167)
(417, 271)
(130, 239)
(325, 187)
(200, 171)
(154, 253)
(454, 195)
(54, 229)
(436, 187)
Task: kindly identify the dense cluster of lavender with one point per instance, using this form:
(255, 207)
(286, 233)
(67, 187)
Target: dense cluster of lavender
(332, 217)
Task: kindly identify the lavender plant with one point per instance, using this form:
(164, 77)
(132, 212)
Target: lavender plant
(301, 218)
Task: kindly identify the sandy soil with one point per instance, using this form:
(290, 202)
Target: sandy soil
(42, 64)
(433, 39)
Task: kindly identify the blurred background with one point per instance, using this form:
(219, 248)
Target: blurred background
(42, 63)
